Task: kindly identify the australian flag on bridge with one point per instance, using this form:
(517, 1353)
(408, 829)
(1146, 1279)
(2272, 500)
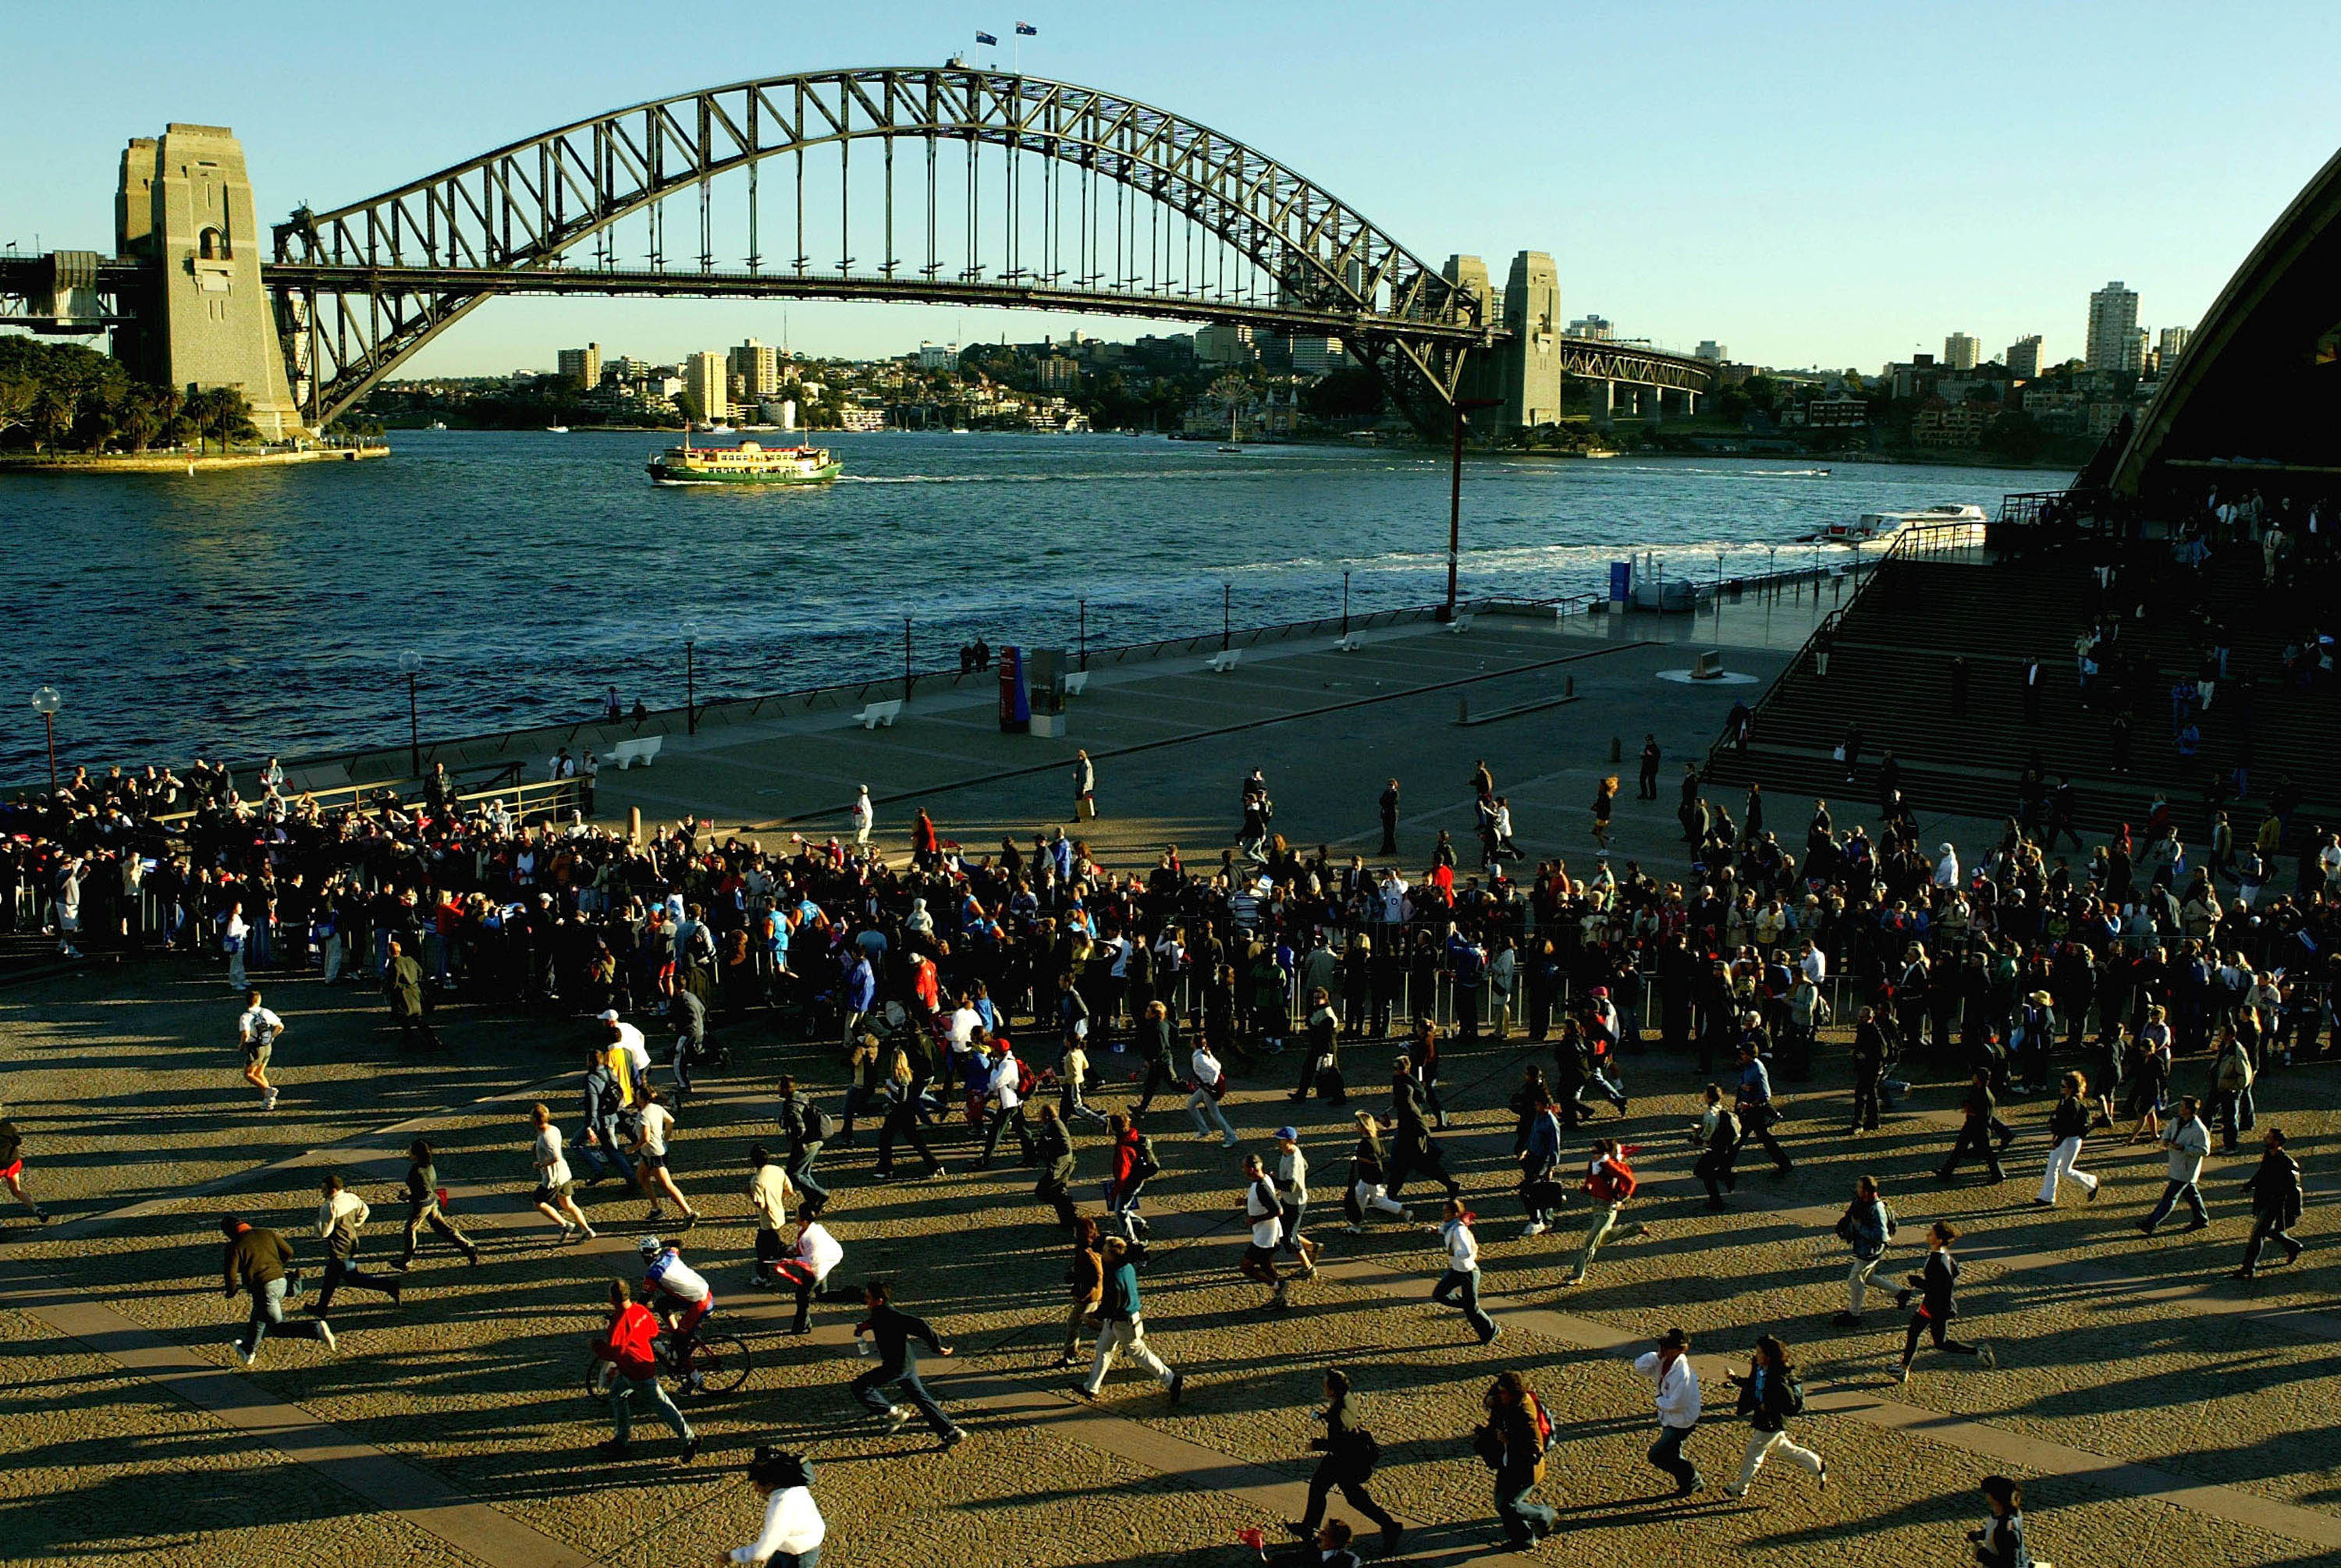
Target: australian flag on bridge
(987, 38)
(1028, 30)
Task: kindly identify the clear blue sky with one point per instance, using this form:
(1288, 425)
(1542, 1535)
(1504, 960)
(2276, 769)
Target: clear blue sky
(1811, 183)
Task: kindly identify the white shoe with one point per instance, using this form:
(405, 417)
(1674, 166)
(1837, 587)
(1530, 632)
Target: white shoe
(268, 1101)
(1229, 1142)
(325, 1333)
(898, 1417)
(1534, 1227)
(248, 1357)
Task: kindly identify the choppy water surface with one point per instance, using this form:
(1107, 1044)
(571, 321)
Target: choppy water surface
(265, 610)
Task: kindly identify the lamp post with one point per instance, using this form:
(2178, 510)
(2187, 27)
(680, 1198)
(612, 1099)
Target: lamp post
(1085, 634)
(1345, 604)
(689, 629)
(1226, 614)
(1455, 499)
(906, 659)
(45, 702)
(410, 664)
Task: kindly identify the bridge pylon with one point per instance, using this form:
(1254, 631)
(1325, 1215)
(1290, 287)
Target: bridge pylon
(205, 318)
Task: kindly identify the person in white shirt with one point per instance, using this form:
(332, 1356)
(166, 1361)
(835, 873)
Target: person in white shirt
(258, 1029)
(817, 1255)
(1462, 1276)
(1266, 1218)
(650, 1158)
(1206, 1083)
(1815, 967)
(865, 815)
(342, 1215)
(1009, 1107)
(556, 1195)
(793, 1530)
(233, 937)
(1669, 1368)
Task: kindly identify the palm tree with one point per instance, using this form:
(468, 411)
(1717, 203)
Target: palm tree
(52, 416)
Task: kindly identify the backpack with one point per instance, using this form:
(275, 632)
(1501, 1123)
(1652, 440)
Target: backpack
(819, 1124)
(1143, 1165)
(1796, 1395)
(1025, 1082)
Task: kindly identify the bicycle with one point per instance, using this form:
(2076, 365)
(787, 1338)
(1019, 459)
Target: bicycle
(719, 1360)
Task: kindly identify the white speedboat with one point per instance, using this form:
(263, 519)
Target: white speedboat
(1877, 528)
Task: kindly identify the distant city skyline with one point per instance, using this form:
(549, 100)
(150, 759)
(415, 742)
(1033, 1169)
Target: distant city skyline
(1791, 206)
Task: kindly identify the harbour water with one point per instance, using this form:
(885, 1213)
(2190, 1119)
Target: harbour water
(241, 614)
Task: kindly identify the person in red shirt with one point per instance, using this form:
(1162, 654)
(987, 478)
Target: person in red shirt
(627, 1345)
(1608, 1182)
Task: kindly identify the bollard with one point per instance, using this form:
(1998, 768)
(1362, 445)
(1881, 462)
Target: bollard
(633, 825)
(1463, 711)
(1617, 750)
(1569, 689)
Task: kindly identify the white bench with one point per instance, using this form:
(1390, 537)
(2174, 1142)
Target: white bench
(1462, 624)
(642, 748)
(878, 713)
(1348, 644)
(1076, 683)
(1223, 663)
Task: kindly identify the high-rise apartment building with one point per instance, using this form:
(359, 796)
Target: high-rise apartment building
(2171, 345)
(1594, 329)
(583, 365)
(2133, 357)
(1713, 353)
(707, 378)
(758, 366)
(1225, 344)
(2113, 322)
(1961, 350)
(2023, 357)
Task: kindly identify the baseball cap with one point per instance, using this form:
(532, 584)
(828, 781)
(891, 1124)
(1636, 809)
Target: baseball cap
(1291, 1134)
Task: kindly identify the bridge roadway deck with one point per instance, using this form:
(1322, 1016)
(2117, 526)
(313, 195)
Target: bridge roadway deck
(2160, 1414)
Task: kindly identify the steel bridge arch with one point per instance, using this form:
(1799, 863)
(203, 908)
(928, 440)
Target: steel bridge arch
(420, 257)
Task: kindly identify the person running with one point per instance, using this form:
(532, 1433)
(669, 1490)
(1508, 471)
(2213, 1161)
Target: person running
(1207, 1084)
(423, 1207)
(1715, 1134)
(1462, 1276)
(793, 1528)
(1511, 1443)
(2000, 1542)
(12, 1168)
(1609, 1183)
(1866, 1225)
(1292, 1196)
(2275, 1194)
(1669, 1369)
(806, 1127)
(773, 1199)
(1053, 1150)
(556, 1190)
(905, 1096)
(260, 1262)
(898, 1365)
(2068, 1125)
(2188, 1142)
(1768, 1395)
(259, 1030)
(1540, 1156)
(1934, 1286)
(1005, 1086)
(1350, 1453)
(629, 1345)
(1365, 1191)
(1979, 1113)
(342, 1215)
(807, 1267)
(680, 1295)
(1754, 1104)
(1085, 1278)
(1266, 1216)
(1135, 1163)
(1122, 1327)
(655, 1128)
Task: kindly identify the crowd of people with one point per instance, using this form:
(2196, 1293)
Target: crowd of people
(977, 992)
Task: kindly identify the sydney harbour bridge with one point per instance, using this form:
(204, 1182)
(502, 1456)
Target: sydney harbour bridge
(935, 184)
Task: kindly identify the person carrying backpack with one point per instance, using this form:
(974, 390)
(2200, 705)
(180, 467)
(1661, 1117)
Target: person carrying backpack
(1609, 1182)
(1768, 1395)
(1511, 1443)
(1866, 1225)
(1350, 1453)
(1135, 1163)
(806, 1127)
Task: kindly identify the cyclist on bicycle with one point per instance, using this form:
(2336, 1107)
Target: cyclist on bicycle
(674, 1287)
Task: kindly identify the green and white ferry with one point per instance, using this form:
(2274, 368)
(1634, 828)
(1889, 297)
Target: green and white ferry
(750, 462)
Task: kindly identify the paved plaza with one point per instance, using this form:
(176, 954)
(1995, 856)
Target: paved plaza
(2158, 1412)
